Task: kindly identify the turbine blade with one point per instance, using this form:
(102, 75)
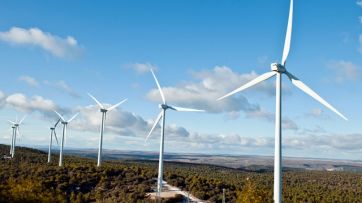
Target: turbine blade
(159, 87)
(60, 116)
(57, 123)
(116, 105)
(313, 94)
(22, 119)
(12, 122)
(99, 104)
(251, 83)
(288, 35)
(176, 108)
(154, 125)
(56, 138)
(75, 115)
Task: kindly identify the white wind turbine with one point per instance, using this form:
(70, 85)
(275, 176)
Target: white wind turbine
(52, 132)
(104, 111)
(16, 132)
(12, 139)
(278, 70)
(65, 124)
(164, 106)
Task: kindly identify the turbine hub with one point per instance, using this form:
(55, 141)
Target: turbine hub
(163, 106)
(277, 67)
(103, 110)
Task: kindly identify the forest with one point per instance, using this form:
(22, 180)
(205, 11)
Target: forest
(28, 178)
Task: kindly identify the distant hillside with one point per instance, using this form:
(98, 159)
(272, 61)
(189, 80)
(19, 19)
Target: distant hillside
(245, 162)
(28, 178)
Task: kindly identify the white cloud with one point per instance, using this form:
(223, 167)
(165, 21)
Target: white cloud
(29, 80)
(359, 3)
(338, 143)
(222, 140)
(347, 142)
(64, 87)
(317, 113)
(141, 68)
(209, 86)
(123, 123)
(262, 114)
(59, 47)
(34, 104)
(118, 122)
(344, 70)
(289, 124)
(212, 84)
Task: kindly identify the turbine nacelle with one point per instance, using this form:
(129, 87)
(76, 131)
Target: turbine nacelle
(52, 128)
(103, 110)
(277, 67)
(164, 106)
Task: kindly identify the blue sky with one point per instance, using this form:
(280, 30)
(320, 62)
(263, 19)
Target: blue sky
(54, 53)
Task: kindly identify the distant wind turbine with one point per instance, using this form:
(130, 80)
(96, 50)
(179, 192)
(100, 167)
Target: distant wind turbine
(162, 115)
(16, 132)
(12, 139)
(65, 124)
(104, 111)
(52, 132)
(278, 70)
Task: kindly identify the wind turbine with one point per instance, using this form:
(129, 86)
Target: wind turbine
(162, 115)
(278, 70)
(104, 111)
(52, 132)
(16, 132)
(65, 124)
(12, 139)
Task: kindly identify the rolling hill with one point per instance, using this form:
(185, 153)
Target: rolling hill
(28, 178)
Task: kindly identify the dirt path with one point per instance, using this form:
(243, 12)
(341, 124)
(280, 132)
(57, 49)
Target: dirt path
(171, 191)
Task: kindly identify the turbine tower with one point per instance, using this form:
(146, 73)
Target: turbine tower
(16, 132)
(104, 111)
(164, 106)
(52, 132)
(278, 69)
(12, 139)
(65, 124)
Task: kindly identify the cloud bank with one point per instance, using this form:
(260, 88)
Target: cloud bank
(209, 86)
(57, 46)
